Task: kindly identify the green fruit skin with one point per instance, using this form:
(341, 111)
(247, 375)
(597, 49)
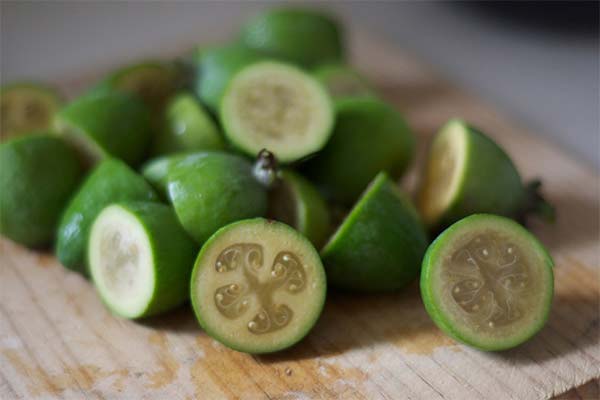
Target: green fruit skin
(342, 81)
(433, 253)
(111, 181)
(491, 183)
(213, 191)
(369, 136)
(215, 68)
(214, 239)
(380, 245)
(118, 124)
(304, 37)
(38, 174)
(173, 254)
(187, 127)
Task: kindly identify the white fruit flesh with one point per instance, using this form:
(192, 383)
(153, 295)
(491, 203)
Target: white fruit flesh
(444, 170)
(121, 262)
(259, 288)
(277, 107)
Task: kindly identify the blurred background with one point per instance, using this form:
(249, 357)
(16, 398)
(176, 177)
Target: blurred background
(536, 61)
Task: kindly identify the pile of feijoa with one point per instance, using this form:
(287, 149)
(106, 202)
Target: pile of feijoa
(247, 177)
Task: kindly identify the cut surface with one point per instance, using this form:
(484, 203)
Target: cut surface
(26, 108)
(278, 107)
(444, 169)
(490, 282)
(121, 262)
(258, 286)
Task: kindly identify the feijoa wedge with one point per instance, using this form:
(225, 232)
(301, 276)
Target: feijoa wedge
(380, 245)
(212, 190)
(487, 282)
(187, 127)
(111, 181)
(27, 107)
(106, 124)
(276, 106)
(302, 36)
(258, 286)
(38, 174)
(343, 81)
(369, 136)
(468, 173)
(140, 259)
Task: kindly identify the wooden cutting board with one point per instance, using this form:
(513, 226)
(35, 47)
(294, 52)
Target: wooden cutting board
(58, 341)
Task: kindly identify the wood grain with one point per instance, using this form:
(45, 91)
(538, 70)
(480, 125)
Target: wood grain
(58, 341)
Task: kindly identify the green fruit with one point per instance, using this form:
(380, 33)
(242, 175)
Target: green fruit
(156, 171)
(304, 37)
(38, 174)
(27, 107)
(106, 124)
(187, 127)
(342, 81)
(110, 182)
(380, 244)
(216, 66)
(468, 173)
(140, 259)
(295, 201)
(369, 136)
(213, 190)
(275, 106)
(258, 286)
(487, 282)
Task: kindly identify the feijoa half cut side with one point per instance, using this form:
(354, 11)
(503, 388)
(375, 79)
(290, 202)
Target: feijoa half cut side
(487, 282)
(468, 173)
(258, 286)
(140, 259)
(27, 107)
(276, 106)
(380, 245)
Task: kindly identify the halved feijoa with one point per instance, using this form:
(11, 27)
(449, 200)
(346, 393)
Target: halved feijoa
(106, 124)
(38, 174)
(216, 66)
(468, 173)
(276, 106)
(140, 259)
(369, 136)
(487, 282)
(258, 286)
(111, 181)
(380, 244)
(212, 190)
(295, 201)
(187, 127)
(305, 37)
(27, 107)
(156, 171)
(342, 81)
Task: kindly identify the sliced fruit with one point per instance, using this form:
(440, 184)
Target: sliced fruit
(216, 66)
(369, 136)
(38, 174)
(342, 81)
(467, 173)
(487, 282)
(111, 181)
(302, 36)
(140, 259)
(275, 106)
(213, 190)
(106, 124)
(258, 286)
(187, 127)
(380, 244)
(27, 107)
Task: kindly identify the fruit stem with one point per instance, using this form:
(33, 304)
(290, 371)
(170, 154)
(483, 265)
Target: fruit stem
(266, 168)
(536, 204)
